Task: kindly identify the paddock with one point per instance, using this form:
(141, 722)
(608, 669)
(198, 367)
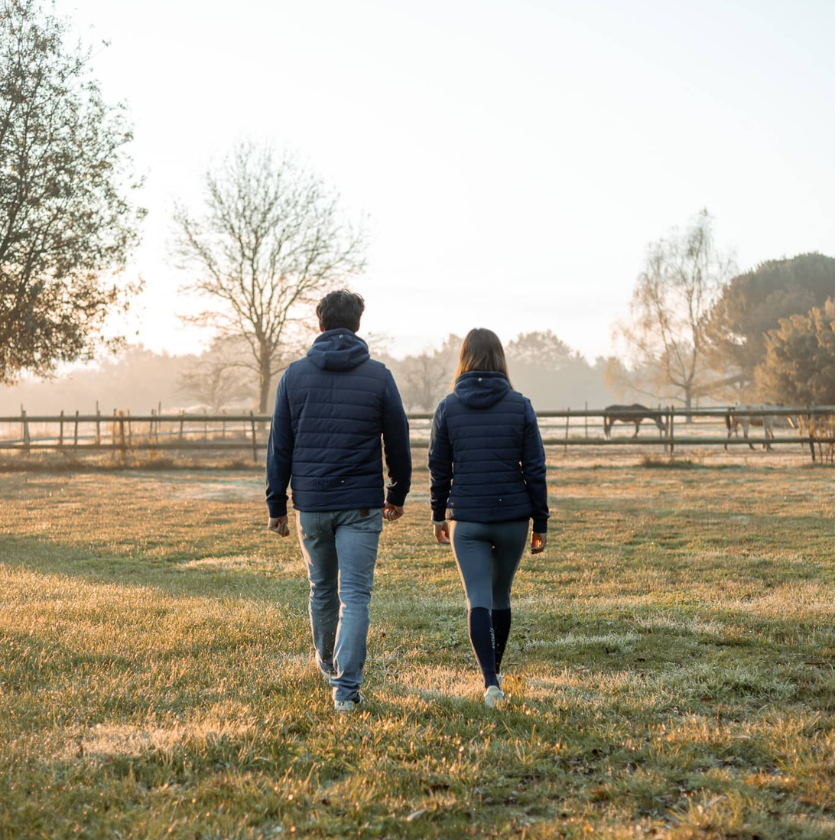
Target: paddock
(670, 669)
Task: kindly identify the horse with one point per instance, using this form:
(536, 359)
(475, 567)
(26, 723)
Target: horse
(744, 419)
(631, 414)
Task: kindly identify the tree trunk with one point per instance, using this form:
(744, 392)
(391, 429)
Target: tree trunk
(688, 397)
(265, 379)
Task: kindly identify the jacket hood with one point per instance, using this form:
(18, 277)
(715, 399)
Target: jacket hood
(338, 350)
(481, 388)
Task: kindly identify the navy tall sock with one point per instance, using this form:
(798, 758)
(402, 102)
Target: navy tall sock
(501, 631)
(481, 636)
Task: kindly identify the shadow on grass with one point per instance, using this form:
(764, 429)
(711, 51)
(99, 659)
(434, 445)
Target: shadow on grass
(652, 636)
(175, 579)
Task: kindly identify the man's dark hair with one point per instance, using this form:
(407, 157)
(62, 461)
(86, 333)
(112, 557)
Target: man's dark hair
(341, 309)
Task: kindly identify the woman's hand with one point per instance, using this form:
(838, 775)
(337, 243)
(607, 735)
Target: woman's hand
(538, 542)
(441, 532)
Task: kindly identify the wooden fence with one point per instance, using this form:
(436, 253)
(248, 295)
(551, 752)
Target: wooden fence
(122, 432)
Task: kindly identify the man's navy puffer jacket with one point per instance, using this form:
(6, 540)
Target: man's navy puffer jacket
(486, 456)
(333, 410)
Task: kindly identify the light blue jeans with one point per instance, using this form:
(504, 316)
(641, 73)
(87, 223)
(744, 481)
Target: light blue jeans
(339, 548)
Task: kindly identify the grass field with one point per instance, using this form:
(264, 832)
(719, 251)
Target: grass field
(671, 666)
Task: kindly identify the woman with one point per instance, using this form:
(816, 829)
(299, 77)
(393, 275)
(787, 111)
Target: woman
(487, 467)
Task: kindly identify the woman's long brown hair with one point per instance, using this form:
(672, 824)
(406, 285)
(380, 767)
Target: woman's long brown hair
(481, 350)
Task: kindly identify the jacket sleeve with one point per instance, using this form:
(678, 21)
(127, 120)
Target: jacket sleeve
(440, 464)
(278, 465)
(533, 469)
(397, 444)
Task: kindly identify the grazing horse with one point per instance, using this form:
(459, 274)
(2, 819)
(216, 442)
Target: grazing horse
(744, 419)
(631, 414)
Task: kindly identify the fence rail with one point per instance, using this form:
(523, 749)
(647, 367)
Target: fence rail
(123, 432)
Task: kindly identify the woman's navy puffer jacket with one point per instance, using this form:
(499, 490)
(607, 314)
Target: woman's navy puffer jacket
(486, 456)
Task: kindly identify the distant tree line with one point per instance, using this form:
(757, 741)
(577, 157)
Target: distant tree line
(541, 365)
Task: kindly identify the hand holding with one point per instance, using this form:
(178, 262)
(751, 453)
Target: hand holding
(538, 542)
(279, 525)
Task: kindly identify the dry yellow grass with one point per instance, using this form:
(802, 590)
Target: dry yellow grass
(670, 668)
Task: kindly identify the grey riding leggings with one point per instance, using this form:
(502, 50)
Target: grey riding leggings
(488, 555)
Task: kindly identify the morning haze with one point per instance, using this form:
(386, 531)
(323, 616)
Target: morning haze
(464, 467)
(508, 162)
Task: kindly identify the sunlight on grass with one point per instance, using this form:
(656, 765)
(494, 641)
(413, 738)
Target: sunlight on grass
(669, 674)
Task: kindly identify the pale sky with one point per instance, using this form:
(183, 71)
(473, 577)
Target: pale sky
(514, 157)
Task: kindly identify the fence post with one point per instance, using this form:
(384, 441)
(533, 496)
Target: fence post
(26, 438)
(61, 430)
(672, 431)
(811, 431)
(121, 421)
(254, 436)
(663, 434)
(586, 420)
(205, 424)
(152, 426)
(76, 431)
(181, 428)
(128, 423)
(98, 439)
(223, 424)
(568, 411)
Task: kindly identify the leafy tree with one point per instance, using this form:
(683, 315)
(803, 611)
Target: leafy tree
(540, 349)
(799, 366)
(66, 223)
(270, 242)
(665, 335)
(753, 303)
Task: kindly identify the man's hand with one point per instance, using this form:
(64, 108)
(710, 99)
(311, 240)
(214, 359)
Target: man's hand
(392, 512)
(441, 532)
(279, 525)
(538, 542)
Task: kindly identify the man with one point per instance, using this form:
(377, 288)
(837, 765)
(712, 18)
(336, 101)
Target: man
(334, 408)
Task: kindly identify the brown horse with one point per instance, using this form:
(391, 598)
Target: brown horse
(631, 414)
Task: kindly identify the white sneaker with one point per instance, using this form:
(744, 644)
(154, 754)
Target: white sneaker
(344, 706)
(493, 697)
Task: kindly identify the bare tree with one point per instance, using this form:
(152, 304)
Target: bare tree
(665, 335)
(67, 225)
(220, 377)
(270, 241)
(425, 377)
